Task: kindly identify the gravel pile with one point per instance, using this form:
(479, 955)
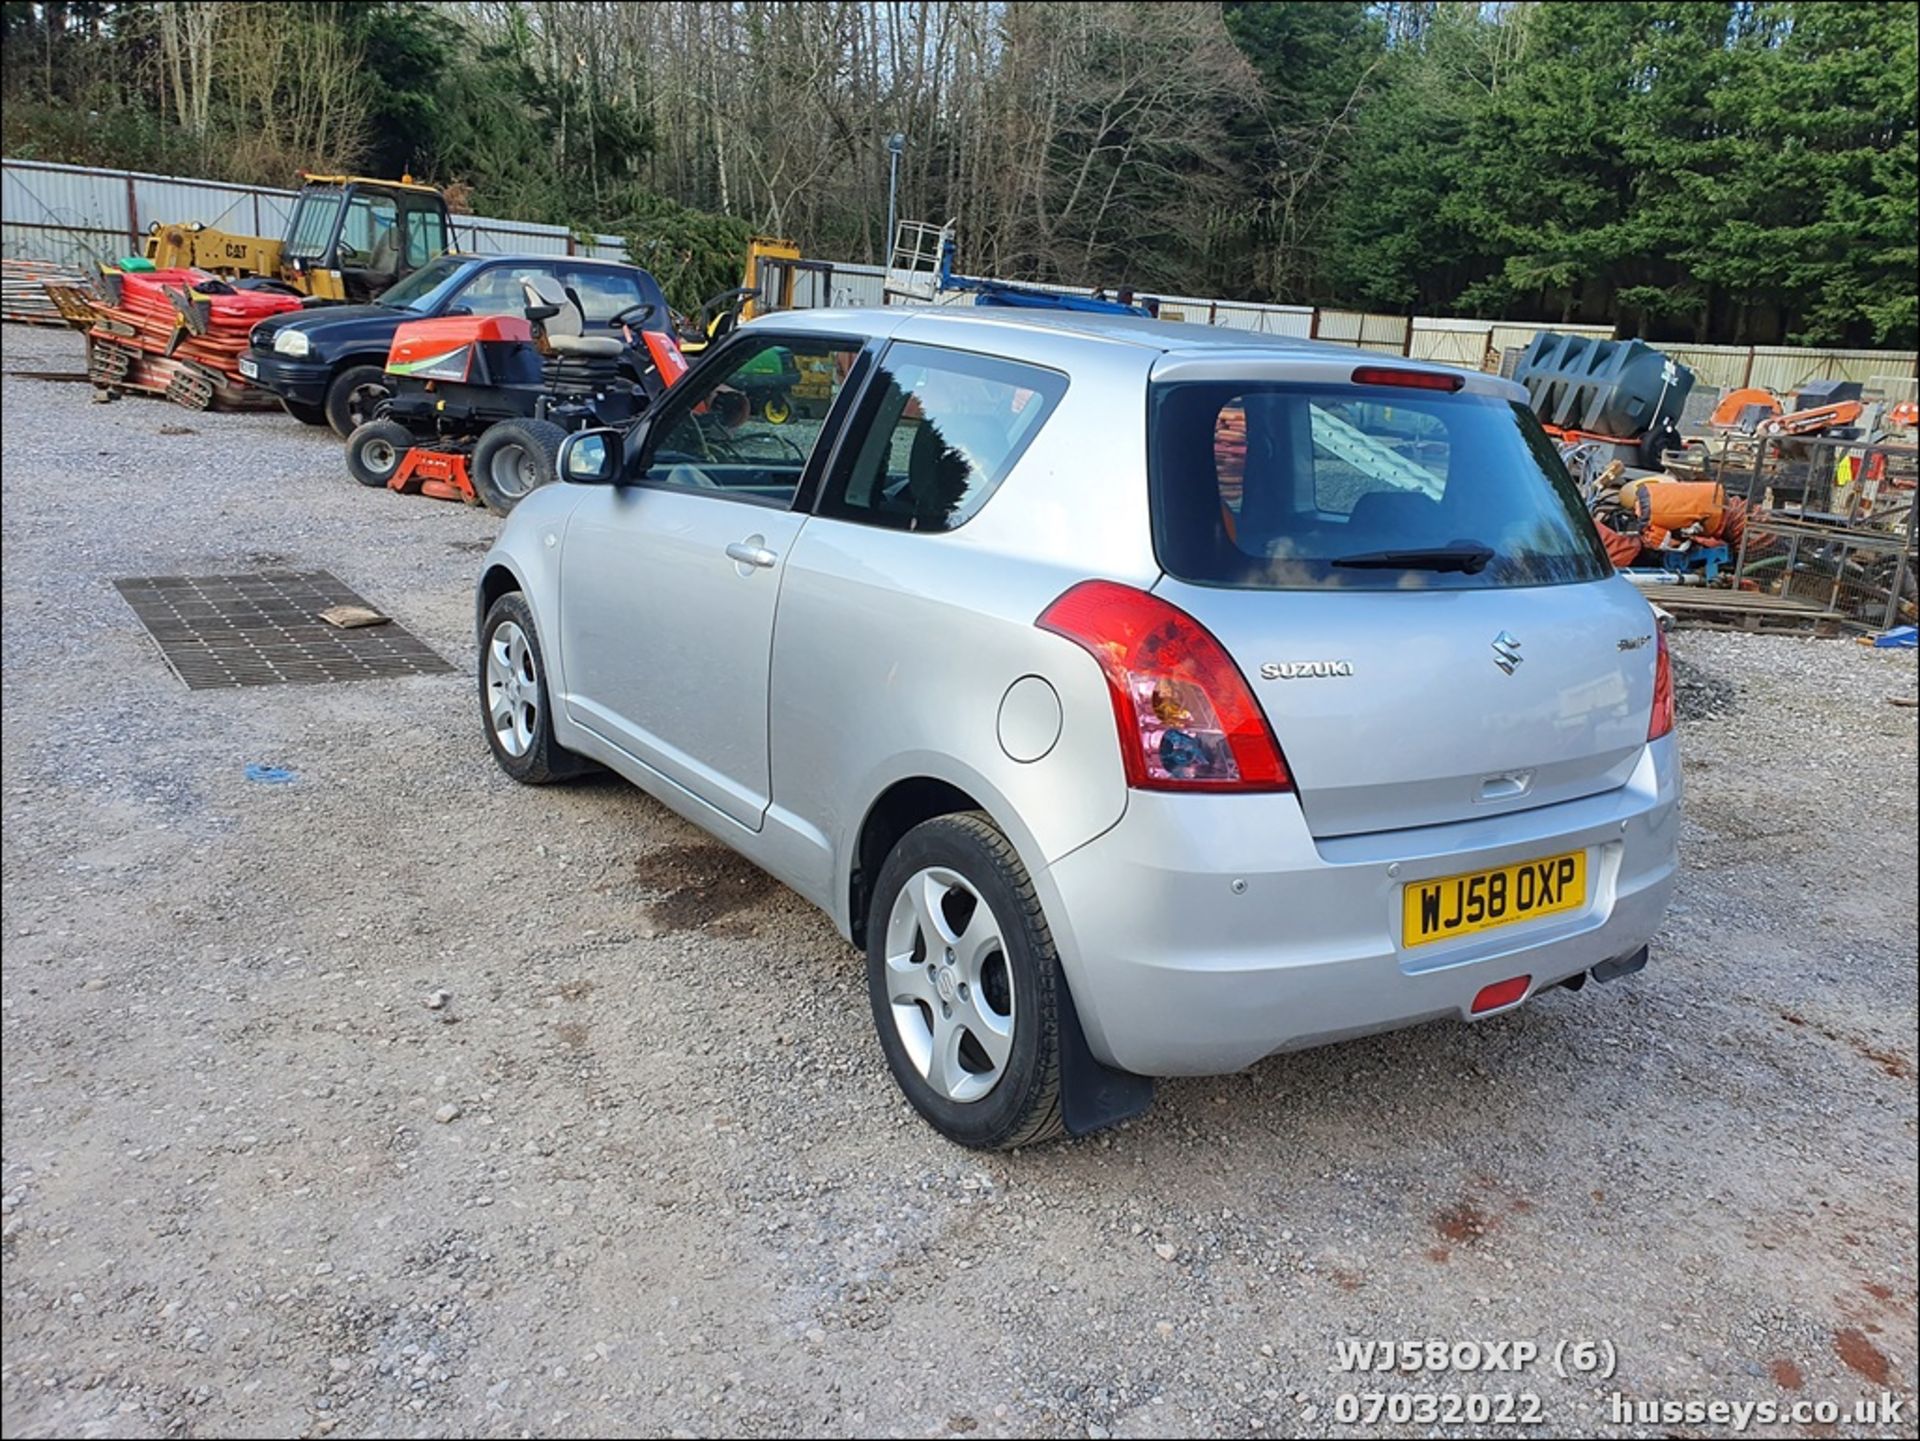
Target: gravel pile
(401, 1100)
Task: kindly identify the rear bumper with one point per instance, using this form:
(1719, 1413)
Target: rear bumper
(304, 382)
(1176, 972)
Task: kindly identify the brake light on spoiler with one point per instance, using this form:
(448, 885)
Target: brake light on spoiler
(1407, 379)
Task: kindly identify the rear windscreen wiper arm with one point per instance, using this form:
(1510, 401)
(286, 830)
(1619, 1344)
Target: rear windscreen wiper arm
(1469, 558)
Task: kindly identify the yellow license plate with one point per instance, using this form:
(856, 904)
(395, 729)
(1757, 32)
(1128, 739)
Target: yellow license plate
(1449, 906)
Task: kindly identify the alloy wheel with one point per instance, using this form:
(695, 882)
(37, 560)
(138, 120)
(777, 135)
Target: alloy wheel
(949, 984)
(363, 401)
(513, 689)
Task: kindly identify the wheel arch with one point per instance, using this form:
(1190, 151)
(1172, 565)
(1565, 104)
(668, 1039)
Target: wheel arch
(336, 368)
(1093, 1094)
(919, 788)
(895, 811)
(497, 580)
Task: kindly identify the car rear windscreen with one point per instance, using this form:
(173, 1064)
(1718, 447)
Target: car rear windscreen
(1312, 486)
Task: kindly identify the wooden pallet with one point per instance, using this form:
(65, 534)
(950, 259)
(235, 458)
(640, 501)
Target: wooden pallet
(24, 291)
(1746, 610)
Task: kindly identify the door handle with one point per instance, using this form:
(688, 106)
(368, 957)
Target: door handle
(748, 553)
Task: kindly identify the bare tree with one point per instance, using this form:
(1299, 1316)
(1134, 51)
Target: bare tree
(1066, 137)
(1107, 136)
(293, 94)
(187, 32)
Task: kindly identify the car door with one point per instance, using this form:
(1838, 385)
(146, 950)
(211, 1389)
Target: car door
(668, 583)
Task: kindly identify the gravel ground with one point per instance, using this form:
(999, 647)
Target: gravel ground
(644, 1171)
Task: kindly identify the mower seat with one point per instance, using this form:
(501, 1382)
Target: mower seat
(562, 321)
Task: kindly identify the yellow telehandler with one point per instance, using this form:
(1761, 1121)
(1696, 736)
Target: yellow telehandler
(349, 239)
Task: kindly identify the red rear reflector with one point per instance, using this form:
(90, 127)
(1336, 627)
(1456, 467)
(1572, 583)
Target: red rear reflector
(1662, 721)
(1412, 379)
(1501, 993)
(1187, 720)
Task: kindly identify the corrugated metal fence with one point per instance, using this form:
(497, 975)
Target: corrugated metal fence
(1784, 369)
(76, 216)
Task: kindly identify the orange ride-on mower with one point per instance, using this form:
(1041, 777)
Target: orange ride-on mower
(481, 402)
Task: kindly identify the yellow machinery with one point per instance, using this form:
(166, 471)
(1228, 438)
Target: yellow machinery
(774, 268)
(349, 239)
(770, 282)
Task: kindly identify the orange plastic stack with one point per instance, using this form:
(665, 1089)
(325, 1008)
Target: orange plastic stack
(1230, 453)
(168, 336)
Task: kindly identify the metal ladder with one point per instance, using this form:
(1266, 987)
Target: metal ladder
(1374, 457)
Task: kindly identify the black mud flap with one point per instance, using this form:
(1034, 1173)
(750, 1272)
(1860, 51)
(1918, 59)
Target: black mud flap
(1620, 966)
(1093, 1096)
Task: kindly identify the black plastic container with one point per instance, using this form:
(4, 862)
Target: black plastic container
(1622, 389)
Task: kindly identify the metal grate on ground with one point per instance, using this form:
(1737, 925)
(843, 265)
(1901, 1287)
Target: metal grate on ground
(264, 628)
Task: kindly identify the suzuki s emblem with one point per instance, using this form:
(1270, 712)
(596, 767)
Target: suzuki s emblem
(1506, 652)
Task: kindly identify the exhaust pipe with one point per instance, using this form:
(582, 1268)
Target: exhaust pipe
(1611, 970)
(1620, 966)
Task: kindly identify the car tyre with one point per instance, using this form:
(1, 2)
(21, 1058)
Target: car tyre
(515, 707)
(512, 460)
(965, 984)
(305, 414)
(355, 397)
(376, 450)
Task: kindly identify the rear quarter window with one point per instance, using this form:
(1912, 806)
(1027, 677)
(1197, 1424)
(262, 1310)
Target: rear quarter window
(1273, 486)
(937, 432)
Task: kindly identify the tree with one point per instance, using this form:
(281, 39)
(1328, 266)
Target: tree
(187, 33)
(291, 96)
(1107, 139)
(1319, 65)
(1705, 169)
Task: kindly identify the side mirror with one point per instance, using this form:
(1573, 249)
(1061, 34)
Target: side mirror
(591, 457)
(458, 310)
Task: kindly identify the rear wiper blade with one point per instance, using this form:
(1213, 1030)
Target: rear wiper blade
(1469, 558)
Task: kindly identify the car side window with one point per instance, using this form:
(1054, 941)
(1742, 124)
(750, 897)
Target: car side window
(604, 292)
(745, 431)
(941, 429)
(496, 290)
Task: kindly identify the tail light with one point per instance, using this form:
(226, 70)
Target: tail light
(1187, 720)
(1662, 721)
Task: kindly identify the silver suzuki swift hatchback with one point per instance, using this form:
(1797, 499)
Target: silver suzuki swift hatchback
(1143, 698)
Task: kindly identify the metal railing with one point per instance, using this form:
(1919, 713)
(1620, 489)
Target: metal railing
(1830, 527)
